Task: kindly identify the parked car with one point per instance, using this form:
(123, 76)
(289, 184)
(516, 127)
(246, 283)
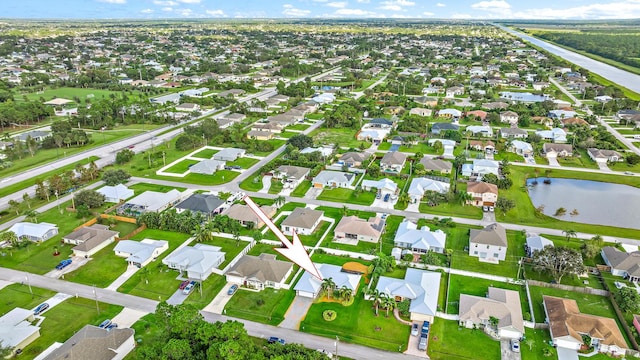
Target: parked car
(111, 326)
(187, 290)
(422, 345)
(485, 208)
(515, 345)
(105, 324)
(131, 146)
(378, 195)
(63, 264)
(232, 289)
(40, 309)
(415, 329)
(425, 328)
(184, 284)
(628, 173)
(386, 197)
(491, 208)
(274, 339)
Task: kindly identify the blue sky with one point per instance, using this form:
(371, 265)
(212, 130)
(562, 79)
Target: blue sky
(460, 9)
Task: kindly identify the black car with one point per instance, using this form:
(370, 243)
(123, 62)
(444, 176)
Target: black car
(40, 309)
(274, 339)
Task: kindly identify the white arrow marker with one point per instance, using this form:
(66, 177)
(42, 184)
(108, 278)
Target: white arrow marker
(293, 250)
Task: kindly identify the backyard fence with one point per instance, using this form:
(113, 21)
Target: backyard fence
(620, 315)
(582, 290)
(134, 232)
(88, 223)
(119, 218)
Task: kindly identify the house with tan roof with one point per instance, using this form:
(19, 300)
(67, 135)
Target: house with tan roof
(436, 165)
(393, 161)
(604, 156)
(504, 305)
(291, 176)
(95, 343)
(482, 193)
(622, 263)
(479, 115)
(353, 159)
(509, 117)
(259, 272)
(551, 150)
(352, 229)
(247, 217)
(488, 244)
(567, 326)
(90, 239)
(302, 221)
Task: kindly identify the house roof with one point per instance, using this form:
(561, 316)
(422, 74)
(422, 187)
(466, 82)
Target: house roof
(419, 186)
(565, 319)
(537, 242)
(31, 229)
(480, 187)
(262, 268)
(228, 153)
(354, 156)
(154, 200)
(140, 251)
(310, 283)
(513, 131)
(493, 234)
(91, 236)
(303, 218)
(619, 260)
(119, 191)
(500, 303)
(393, 158)
(385, 183)
(423, 238)
(603, 154)
(548, 147)
(199, 258)
(354, 225)
(204, 203)
(444, 126)
(208, 166)
(296, 172)
(244, 213)
(421, 286)
(525, 146)
(436, 164)
(91, 342)
(329, 176)
(15, 327)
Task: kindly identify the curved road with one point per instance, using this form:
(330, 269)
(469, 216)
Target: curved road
(621, 77)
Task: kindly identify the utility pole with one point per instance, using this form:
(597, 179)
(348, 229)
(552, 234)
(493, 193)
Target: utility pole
(29, 284)
(336, 354)
(96, 296)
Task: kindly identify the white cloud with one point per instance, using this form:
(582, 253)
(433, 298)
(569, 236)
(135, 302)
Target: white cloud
(167, 9)
(321, 1)
(113, 1)
(461, 16)
(363, 1)
(190, 1)
(427, 13)
(184, 12)
(356, 12)
(491, 5)
(147, 11)
(629, 9)
(395, 5)
(337, 4)
(165, 3)
(440, 5)
(215, 13)
(290, 10)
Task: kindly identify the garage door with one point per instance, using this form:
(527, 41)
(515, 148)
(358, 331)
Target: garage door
(306, 294)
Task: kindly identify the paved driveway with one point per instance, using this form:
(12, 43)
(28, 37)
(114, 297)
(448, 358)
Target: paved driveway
(127, 317)
(76, 262)
(179, 297)
(412, 347)
(505, 351)
(313, 193)
(296, 313)
(220, 301)
(553, 162)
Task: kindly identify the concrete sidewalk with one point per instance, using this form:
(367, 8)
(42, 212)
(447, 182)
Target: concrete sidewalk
(123, 278)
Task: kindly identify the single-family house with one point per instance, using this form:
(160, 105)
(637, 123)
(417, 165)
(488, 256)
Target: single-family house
(453, 114)
(384, 186)
(421, 287)
(514, 133)
(524, 97)
(421, 241)
(555, 135)
(229, 154)
(509, 117)
(482, 193)
(573, 121)
(557, 150)
(95, 343)
(488, 244)
(438, 128)
(206, 204)
(380, 123)
(309, 286)
(37, 135)
(140, 253)
(485, 146)
(419, 186)
(454, 91)
(479, 115)
(504, 305)
(17, 329)
(604, 156)
(622, 263)
(207, 167)
(567, 326)
(115, 194)
(259, 272)
(34, 232)
(521, 148)
(535, 242)
(352, 229)
(302, 221)
(291, 176)
(480, 130)
(374, 135)
(247, 217)
(260, 135)
(196, 261)
(271, 127)
(188, 107)
(285, 119)
(333, 179)
(484, 166)
(436, 165)
(353, 159)
(421, 112)
(561, 114)
(88, 240)
(393, 161)
(325, 151)
(152, 201)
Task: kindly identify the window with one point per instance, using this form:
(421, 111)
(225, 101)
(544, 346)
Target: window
(495, 255)
(475, 253)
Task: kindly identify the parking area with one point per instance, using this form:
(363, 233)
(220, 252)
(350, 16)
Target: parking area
(313, 193)
(76, 262)
(53, 301)
(412, 347)
(127, 317)
(505, 351)
(218, 303)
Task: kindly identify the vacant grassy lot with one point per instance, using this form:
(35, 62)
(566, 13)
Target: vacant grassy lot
(342, 195)
(139, 188)
(341, 137)
(455, 209)
(103, 268)
(65, 319)
(205, 154)
(18, 295)
(267, 306)
(210, 288)
(302, 189)
(182, 166)
(244, 163)
(230, 247)
(82, 93)
(447, 341)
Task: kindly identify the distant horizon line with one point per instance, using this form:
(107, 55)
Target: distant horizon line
(312, 18)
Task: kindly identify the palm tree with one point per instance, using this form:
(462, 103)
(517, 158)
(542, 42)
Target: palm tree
(344, 293)
(202, 233)
(9, 237)
(26, 199)
(388, 303)
(32, 214)
(569, 233)
(15, 206)
(598, 239)
(279, 201)
(376, 296)
(327, 286)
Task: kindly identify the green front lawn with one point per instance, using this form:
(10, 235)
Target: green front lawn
(357, 324)
(205, 154)
(580, 159)
(322, 258)
(448, 340)
(18, 295)
(341, 137)
(342, 195)
(210, 288)
(300, 127)
(139, 188)
(103, 268)
(302, 189)
(182, 166)
(452, 209)
(263, 248)
(267, 306)
(539, 340)
(217, 178)
(276, 186)
(252, 183)
(243, 162)
(65, 319)
(479, 287)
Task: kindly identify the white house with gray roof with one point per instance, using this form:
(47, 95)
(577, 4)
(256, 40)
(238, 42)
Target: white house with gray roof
(197, 261)
(115, 194)
(207, 167)
(260, 272)
(421, 287)
(383, 186)
(488, 244)
(622, 263)
(229, 154)
(34, 232)
(309, 286)
(302, 221)
(504, 305)
(333, 179)
(154, 201)
(140, 253)
(16, 329)
(535, 243)
(291, 176)
(422, 240)
(419, 186)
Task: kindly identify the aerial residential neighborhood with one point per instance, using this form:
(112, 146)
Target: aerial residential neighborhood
(328, 182)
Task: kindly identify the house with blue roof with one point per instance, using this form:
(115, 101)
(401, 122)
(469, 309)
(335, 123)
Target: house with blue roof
(420, 240)
(421, 287)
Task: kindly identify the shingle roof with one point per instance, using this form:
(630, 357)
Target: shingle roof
(91, 342)
(204, 203)
(91, 236)
(302, 218)
(436, 164)
(263, 268)
(493, 234)
(500, 303)
(619, 260)
(355, 225)
(393, 158)
(421, 286)
(423, 238)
